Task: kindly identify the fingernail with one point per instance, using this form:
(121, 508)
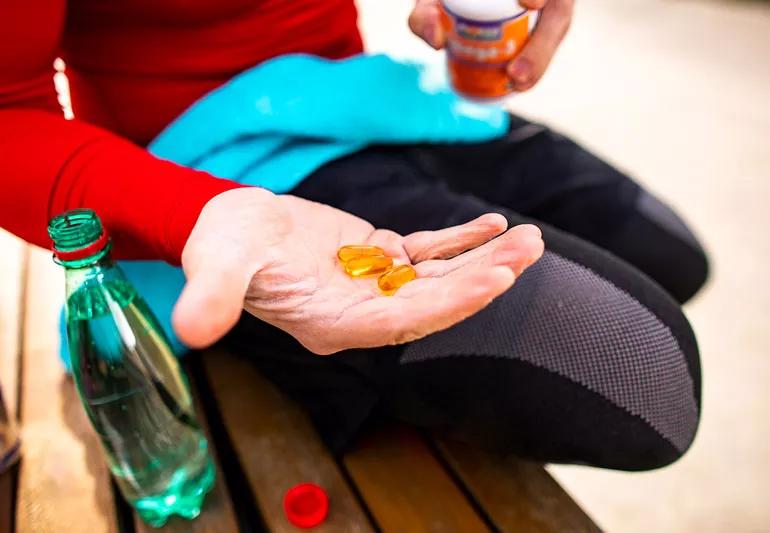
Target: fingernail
(520, 70)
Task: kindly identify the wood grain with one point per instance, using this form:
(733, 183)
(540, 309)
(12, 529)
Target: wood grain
(63, 481)
(517, 496)
(217, 515)
(277, 446)
(406, 488)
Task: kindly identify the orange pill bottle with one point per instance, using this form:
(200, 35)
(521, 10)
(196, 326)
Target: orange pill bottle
(483, 36)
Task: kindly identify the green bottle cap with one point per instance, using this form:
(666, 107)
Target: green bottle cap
(77, 234)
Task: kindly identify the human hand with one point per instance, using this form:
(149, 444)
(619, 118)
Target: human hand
(275, 256)
(531, 63)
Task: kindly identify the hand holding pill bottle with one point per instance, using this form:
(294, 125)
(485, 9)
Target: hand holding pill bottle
(483, 37)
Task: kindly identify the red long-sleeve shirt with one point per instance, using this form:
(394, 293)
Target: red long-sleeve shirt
(133, 66)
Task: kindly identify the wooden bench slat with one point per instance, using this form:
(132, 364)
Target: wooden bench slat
(406, 488)
(518, 496)
(277, 446)
(12, 267)
(63, 480)
(217, 515)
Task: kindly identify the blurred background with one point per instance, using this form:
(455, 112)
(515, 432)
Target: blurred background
(676, 92)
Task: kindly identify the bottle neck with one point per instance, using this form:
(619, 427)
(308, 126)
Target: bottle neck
(96, 288)
(101, 257)
(82, 246)
(79, 239)
(88, 271)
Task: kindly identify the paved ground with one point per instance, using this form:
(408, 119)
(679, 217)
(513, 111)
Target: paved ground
(678, 93)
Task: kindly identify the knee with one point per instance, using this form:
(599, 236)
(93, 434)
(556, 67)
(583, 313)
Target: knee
(573, 368)
(689, 269)
(643, 412)
(635, 355)
(684, 265)
(653, 380)
(659, 436)
(640, 405)
(695, 273)
(648, 369)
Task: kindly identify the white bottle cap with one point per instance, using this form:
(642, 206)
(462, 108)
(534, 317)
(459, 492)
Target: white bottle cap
(484, 10)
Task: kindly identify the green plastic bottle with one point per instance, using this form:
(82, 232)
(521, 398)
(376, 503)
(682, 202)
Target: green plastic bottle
(131, 385)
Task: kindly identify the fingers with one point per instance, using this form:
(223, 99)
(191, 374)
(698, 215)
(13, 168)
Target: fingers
(391, 242)
(446, 292)
(429, 305)
(449, 242)
(530, 65)
(425, 22)
(533, 4)
(517, 249)
(210, 304)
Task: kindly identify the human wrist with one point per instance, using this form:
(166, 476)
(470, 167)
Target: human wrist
(228, 214)
(197, 191)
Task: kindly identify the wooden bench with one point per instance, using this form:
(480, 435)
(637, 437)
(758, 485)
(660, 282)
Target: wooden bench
(396, 480)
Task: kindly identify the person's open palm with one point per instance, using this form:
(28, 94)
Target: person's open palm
(275, 256)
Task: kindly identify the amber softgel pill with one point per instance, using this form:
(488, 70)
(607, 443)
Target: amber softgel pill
(368, 266)
(346, 253)
(395, 278)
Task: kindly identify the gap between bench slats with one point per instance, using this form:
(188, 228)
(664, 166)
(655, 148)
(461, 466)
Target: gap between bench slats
(405, 487)
(277, 446)
(516, 495)
(217, 515)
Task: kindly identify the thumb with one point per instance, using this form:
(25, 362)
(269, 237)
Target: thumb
(210, 304)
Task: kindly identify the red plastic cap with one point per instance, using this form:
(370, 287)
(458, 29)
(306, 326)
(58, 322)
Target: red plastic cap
(82, 253)
(306, 505)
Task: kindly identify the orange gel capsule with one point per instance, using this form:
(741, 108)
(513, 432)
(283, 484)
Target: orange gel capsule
(394, 279)
(368, 266)
(346, 253)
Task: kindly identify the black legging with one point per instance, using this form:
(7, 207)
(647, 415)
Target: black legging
(585, 360)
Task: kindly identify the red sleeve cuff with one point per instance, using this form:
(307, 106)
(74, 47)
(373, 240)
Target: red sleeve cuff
(148, 205)
(197, 188)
